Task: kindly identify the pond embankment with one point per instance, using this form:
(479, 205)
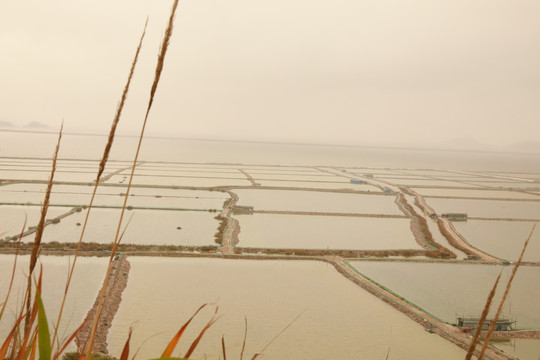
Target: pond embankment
(118, 278)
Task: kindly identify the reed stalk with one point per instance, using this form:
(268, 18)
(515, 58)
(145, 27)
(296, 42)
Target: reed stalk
(255, 356)
(478, 330)
(506, 291)
(223, 347)
(157, 76)
(102, 164)
(39, 231)
(245, 337)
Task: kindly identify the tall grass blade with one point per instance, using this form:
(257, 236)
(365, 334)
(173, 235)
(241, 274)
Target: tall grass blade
(67, 342)
(478, 330)
(32, 355)
(245, 337)
(28, 335)
(44, 338)
(5, 346)
(125, 351)
(102, 165)
(223, 347)
(119, 109)
(40, 227)
(159, 69)
(174, 341)
(281, 332)
(201, 334)
(506, 291)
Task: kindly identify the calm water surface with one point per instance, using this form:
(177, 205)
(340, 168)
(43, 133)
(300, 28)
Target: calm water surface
(12, 218)
(85, 285)
(524, 349)
(325, 232)
(503, 239)
(488, 208)
(317, 201)
(339, 320)
(90, 147)
(148, 227)
(449, 290)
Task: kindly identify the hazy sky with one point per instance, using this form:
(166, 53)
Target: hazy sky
(332, 71)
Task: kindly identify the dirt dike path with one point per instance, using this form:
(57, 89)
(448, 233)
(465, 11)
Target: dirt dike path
(118, 279)
(232, 227)
(449, 231)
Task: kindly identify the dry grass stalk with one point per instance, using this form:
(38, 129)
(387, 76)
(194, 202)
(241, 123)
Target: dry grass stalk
(478, 330)
(506, 291)
(174, 341)
(223, 347)
(277, 336)
(102, 164)
(39, 230)
(159, 69)
(201, 334)
(245, 337)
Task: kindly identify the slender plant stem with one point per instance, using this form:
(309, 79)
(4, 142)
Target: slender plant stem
(100, 172)
(506, 291)
(159, 69)
(478, 330)
(39, 231)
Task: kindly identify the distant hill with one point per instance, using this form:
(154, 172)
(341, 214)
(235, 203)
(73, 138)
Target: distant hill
(36, 125)
(463, 143)
(6, 124)
(526, 146)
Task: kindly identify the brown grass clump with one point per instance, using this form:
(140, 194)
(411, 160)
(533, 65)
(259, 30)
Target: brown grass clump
(218, 236)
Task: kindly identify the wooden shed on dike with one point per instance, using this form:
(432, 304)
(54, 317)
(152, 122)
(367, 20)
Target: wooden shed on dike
(502, 324)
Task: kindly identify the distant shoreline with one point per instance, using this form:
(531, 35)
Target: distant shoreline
(284, 143)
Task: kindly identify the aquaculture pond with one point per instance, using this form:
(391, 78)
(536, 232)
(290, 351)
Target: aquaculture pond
(337, 318)
(427, 182)
(476, 193)
(503, 239)
(488, 208)
(12, 218)
(345, 184)
(449, 290)
(318, 201)
(296, 177)
(179, 181)
(80, 195)
(85, 284)
(148, 227)
(325, 232)
(523, 349)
